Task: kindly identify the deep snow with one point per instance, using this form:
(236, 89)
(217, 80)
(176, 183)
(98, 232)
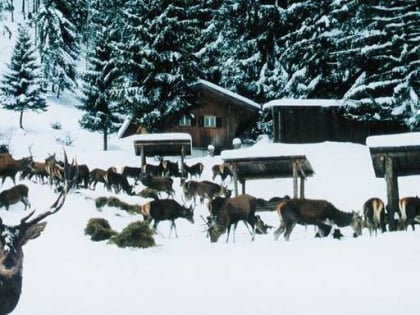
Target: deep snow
(66, 273)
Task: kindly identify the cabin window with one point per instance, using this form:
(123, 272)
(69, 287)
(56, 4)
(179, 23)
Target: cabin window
(210, 121)
(185, 121)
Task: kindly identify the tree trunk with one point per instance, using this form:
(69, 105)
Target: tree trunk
(105, 139)
(21, 119)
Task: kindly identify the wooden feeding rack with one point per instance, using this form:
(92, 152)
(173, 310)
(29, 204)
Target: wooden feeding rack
(287, 166)
(162, 144)
(390, 162)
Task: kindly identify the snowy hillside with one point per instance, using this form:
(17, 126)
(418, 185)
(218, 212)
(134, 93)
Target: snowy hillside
(65, 272)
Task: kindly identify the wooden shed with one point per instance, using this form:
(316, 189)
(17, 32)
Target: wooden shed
(317, 120)
(218, 117)
(269, 161)
(392, 157)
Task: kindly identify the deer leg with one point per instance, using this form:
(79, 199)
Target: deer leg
(26, 202)
(289, 229)
(173, 226)
(252, 232)
(228, 232)
(279, 231)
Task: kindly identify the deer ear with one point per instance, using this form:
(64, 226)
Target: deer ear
(33, 232)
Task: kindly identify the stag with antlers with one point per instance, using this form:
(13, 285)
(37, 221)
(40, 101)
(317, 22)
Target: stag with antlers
(13, 238)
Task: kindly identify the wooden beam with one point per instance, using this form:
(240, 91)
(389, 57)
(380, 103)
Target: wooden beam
(243, 186)
(142, 156)
(235, 178)
(302, 187)
(295, 179)
(392, 191)
(182, 161)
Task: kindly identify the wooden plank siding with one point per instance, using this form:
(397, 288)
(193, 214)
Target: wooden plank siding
(233, 115)
(309, 124)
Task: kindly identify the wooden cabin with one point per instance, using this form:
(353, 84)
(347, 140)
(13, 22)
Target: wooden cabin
(218, 117)
(317, 120)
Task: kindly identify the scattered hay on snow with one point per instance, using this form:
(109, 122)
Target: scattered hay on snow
(137, 234)
(99, 229)
(115, 202)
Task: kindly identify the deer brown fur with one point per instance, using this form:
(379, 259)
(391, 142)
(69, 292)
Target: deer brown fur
(18, 193)
(9, 167)
(313, 212)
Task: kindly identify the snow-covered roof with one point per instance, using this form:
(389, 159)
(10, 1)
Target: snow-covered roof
(230, 93)
(394, 140)
(303, 103)
(161, 136)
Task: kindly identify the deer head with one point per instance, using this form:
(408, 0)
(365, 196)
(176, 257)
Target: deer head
(13, 238)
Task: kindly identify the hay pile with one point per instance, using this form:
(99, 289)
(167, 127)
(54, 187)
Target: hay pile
(137, 234)
(115, 202)
(99, 229)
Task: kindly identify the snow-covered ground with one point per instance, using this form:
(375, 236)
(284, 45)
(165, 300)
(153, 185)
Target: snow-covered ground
(66, 273)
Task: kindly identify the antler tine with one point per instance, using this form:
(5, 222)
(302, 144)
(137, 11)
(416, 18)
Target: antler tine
(59, 202)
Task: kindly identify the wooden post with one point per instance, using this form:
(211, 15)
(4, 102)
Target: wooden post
(143, 156)
(295, 179)
(392, 191)
(182, 161)
(243, 186)
(235, 178)
(302, 187)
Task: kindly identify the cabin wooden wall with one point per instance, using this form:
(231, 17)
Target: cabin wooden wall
(316, 124)
(232, 118)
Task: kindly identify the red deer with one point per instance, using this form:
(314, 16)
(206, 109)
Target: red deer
(158, 183)
(9, 167)
(97, 175)
(118, 182)
(154, 170)
(409, 212)
(12, 239)
(166, 209)
(233, 210)
(54, 170)
(314, 212)
(132, 172)
(204, 189)
(170, 168)
(222, 170)
(14, 195)
(37, 169)
(374, 215)
(194, 170)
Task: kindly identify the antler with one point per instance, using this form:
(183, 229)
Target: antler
(59, 202)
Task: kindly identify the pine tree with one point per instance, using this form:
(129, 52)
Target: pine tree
(57, 42)
(386, 54)
(102, 109)
(158, 57)
(22, 85)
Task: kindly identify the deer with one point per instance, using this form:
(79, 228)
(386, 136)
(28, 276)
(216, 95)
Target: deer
(222, 170)
(320, 213)
(154, 170)
(132, 172)
(409, 212)
(204, 189)
(194, 170)
(9, 167)
(118, 182)
(170, 168)
(166, 209)
(13, 238)
(374, 215)
(37, 169)
(233, 210)
(54, 170)
(158, 183)
(14, 195)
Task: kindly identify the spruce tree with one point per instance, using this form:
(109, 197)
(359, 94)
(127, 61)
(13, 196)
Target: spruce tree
(57, 42)
(101, 106)
(158, 57)
(22, 85)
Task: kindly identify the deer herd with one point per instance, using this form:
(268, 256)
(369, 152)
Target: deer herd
(224, 210)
